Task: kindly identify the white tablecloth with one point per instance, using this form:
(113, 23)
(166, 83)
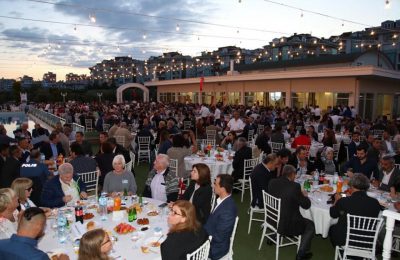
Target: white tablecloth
(124, 247)
(319, 210)
(216, 167)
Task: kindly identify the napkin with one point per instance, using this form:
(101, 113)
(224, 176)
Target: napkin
(78, 229)
(118, 215)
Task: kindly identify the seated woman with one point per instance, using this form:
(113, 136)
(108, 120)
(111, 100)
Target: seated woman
(179, 151)
(8, 213)
(95, 244)
(63, 189)
(229, 139)
(104, 161)
(185, 234)
(326, 161)
(165, 142)
(119, 180)
(329, 138)
(199, 191)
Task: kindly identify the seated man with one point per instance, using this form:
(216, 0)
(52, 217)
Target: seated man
(300, 161)
(292, 223)
(23, 245)
(38, 172)
(221, 221)
(243, 152)
(260, 178)
(361, 163)
(53, 148)
(388, 175)
(355, 141)
(359, 203)
(86, 146)
(79, 161)
(63, 189)
(161, 184)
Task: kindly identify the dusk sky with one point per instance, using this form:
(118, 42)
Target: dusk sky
(37, 36)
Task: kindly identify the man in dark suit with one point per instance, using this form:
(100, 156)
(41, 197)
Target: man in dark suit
(359, 203)
(292, 198)
(119, 149)
(388, 175)
(277, 135)
(4, 152)
(300, 161)
(63, 189)
(243, 152)
(11, 167)
(262, 141)
(39, 130)
(355, 141)
(221, 221)
(260, 178)
(53, 148)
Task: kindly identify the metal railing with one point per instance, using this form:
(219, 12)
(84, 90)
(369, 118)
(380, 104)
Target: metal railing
(52, 119)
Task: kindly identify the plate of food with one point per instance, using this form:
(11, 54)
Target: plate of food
(326, 188)
(88, 215)
(153, 213)
(143, 221)
(124, 228)
(92, 225)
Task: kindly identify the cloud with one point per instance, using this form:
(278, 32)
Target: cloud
(15, 13)
(117, 15)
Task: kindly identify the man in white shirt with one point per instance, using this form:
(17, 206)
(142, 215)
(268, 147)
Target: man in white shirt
(204, 111)
(335, 120)
(217, 113)
(235, 124)
(317, 113)
(388, 175)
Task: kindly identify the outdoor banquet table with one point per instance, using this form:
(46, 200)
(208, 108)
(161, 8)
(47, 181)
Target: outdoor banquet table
(216, 167)
(319, 210)
(124, 247)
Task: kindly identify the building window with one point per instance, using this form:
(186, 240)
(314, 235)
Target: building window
(248, 98)
(366, 104)
(167, 97)
(342, 99)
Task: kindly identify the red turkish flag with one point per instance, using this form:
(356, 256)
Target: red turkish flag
(201, 83)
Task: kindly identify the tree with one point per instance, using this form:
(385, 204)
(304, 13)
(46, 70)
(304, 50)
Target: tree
(16, 90)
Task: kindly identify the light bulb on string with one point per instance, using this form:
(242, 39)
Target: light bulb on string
(92, 17)
(387, 4)
(301, 14)
(75, 28)
(177, 27)
(144, 36)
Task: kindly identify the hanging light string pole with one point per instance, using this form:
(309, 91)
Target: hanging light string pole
(99, 94)
(64, 94)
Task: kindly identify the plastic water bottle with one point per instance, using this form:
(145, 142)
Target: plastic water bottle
(316, 175)
(42, 158)
(229, 148)
(335, 178)
(103, 206)
(61, 227)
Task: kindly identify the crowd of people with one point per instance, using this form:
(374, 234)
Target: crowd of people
(32, 183)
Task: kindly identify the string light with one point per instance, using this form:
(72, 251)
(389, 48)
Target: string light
(177, 27)
(144, 36)
(302, 14)
(92, 17)
(75, 28)
(387, 4)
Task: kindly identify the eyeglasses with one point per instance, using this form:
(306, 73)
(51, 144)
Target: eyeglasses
(29, 189)
(108, 241)
(173, 213)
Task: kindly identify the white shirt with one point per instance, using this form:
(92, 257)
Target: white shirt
(386, 177)
(70, 189)
(235, 125)
(29, 202)
(158, 187)
(204, 111)
(217, 113)
(219, 201)
(317, 111)
(335, 119)
(389, 146)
